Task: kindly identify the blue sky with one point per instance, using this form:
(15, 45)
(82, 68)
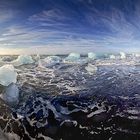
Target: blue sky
(63, 26)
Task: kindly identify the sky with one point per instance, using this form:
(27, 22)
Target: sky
(64, 26)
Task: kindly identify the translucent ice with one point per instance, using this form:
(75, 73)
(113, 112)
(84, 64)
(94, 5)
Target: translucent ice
(37, 57)
(92, 69)
(122, 55)
(7, 58)
(11, 94)
(23, 59)
(72, 57)
(92, 55)
(7, 75)
(112, 56)
(50, 61)
(136, 55)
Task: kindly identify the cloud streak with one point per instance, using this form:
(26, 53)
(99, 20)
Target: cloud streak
(89, 25)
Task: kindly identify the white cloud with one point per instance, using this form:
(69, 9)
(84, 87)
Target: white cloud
(51, 15)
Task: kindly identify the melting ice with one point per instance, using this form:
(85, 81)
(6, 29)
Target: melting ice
(49, 61)
(92, 55)
(7, 75)
(72, 57)
(23, 59)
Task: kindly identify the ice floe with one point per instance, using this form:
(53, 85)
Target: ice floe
(136, 54)
(6, 58)
(72, 57)
(7, 75)
(92, 55)
(11, 94)
(112, 56)
(23, 59)
(37, 57)
(49, 61)
(122, 55)
(91, 69)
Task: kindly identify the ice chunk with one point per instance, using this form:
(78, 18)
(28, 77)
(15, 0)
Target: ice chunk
(92, 69)
(23, 59)
(7, 75)
(50, 61)
(7, 58)
(136, 54)
(92, 55)
(112, 56)
(37, 57)
(11, 94)
(122, 55)
(72, 57)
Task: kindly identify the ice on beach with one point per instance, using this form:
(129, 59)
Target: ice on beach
(112, 56)
(7, 75)
(101, 55)
(6, 58)
(11, 94)
(23, 59)
(72, 57)
(50, 61)
(122, 55)
(91, 69)
(37, 57)
(92, 55)
(136, 54)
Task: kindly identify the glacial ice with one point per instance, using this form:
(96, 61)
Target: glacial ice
(72, 57)
(112, 56)
(23, 59)
(91, 69)
(7, 75)
(52, 59)
(49, 61)
(122, 55)
(136, 55)
(92, 55)
(37, 57)
(6, 58)
(11, 94)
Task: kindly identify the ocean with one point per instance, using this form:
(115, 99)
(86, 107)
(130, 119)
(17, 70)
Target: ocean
(73, 99)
